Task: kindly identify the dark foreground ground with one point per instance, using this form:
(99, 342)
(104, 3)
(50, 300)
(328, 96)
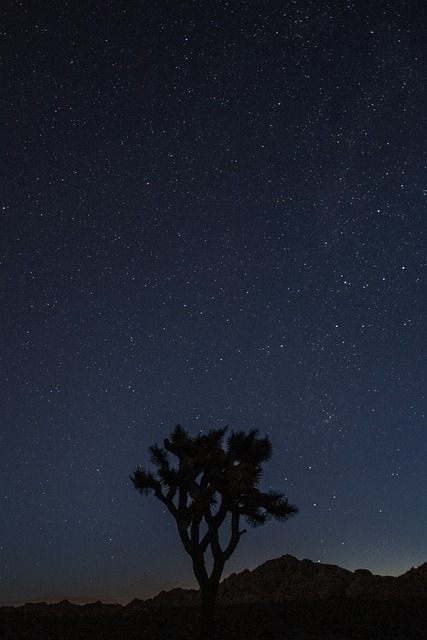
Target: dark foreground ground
(330, 620)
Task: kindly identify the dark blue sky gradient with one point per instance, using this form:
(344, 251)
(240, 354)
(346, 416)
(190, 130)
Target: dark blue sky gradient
(212, 213)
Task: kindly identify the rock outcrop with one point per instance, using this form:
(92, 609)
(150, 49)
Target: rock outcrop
(176, 597)
(283, 579)
(287, 578)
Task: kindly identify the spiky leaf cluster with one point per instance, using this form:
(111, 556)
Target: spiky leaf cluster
(212, 478)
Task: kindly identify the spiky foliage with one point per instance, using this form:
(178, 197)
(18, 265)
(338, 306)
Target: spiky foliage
(211, 478)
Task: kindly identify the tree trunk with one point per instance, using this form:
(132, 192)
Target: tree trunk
(207, 620)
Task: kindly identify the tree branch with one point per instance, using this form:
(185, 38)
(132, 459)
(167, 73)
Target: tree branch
(185, 539)
(235, 535)
(200, 570)
(217, 552)
(166, 501)
(214, 523)
(222, 512)
(183, 534)
(217, 570)
(171, 493)
(195, 532)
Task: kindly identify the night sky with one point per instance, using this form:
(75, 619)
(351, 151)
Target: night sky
(212, 213)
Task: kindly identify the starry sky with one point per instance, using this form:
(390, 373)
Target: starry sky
(212, 213)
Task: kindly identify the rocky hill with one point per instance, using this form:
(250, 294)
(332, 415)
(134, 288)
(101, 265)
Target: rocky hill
(287, 578)
(282, 598)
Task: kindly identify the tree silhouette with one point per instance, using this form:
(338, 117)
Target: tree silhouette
(212, 484)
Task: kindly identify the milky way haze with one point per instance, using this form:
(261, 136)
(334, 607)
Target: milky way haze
(212, 213)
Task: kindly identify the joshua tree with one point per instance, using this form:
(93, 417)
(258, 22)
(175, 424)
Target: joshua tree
(213, 484)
